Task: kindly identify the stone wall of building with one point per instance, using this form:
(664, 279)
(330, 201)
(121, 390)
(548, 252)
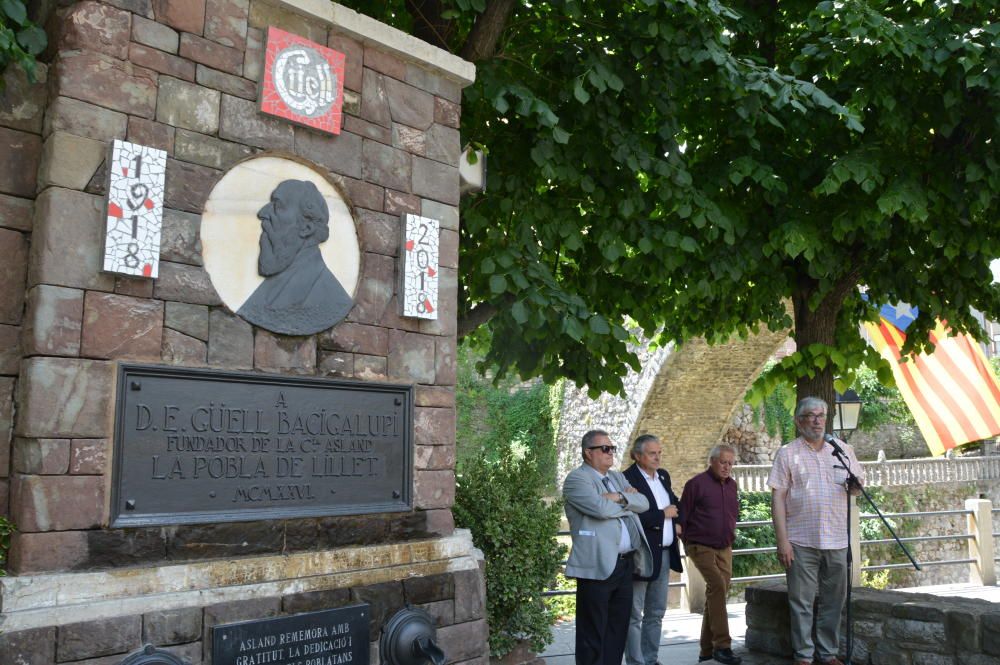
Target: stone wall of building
(182, 76)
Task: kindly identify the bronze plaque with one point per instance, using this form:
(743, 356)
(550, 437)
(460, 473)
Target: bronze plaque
(195, 446)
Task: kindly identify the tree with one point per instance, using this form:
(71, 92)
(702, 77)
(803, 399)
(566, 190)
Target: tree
(20, 39)
(688, 168)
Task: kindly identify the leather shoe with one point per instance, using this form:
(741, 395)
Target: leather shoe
(726, 657)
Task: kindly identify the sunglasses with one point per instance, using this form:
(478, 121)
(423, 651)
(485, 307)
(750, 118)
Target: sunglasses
(607, 450)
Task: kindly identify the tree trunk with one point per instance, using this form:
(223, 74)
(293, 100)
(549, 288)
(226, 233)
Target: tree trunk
(812, 327)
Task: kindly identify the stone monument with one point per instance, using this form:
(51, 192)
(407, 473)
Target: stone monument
(243, 450)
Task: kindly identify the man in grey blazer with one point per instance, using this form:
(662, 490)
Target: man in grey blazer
(608, 545)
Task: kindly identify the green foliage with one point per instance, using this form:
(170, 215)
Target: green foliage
(881, 403)
(690, 167)
(776, 407)
(564, 607)
(755, 506)
(20, 39)
(6, 529)
(501, 500)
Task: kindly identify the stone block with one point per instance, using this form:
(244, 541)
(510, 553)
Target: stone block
(96, 27)
(887, 653)
(263, 15)
(230, 341)
(227, 83)
(115, 548)
(226, 22)
(411, 357)
(336, 363)
(448, 254)
(463, 641)
(57, 503)
(6, 426)
(13, 268)
(391, 318)
(238, 610)
(151, 133)
(176, 626)
(105, 81)
(444, 365)
(68, 244)
(16, 213)
(429, 588)
(434, 489)
(385, 600)
(10, 350)
(991, 633)
(210, 53)
(65, 397)
(312, 601)
(137, 287)
(368, 130)
(70, 161)
(88, 457)
(391, 168)
(241, 122)
(35, 646)
(157, 35)
(375, 99)
(340, 154)
(83, 119)
(162, 62)
(122, 327)
(42, 457)
(398, 203)
(19, 162)
(440, 522)
(254, 56)
(180, 240)
(184, 283)
(434, 180)
(352, 102)
(356, 338)
(435, 396)
(46, 552)
(184, 15)
(180, 349)
(443, 144)
(370, 368)
(925, 658)
(22, 103)
(383, 62)
(446, 214)
(192, 320)
(89, 639)
(375, 288)
(434, 426)
(433, 83)
(280, 353)
(408, 105)
(188, 185)
(188, 106)
(363, 194)
(354, 54)
(140, 7)
(434, 457)
(379, 232)
(470, 595)
(208, 151)
(447, 321)
(447, 113)
(912, 630)
(413, 141)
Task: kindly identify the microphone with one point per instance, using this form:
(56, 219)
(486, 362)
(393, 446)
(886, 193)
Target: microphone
(829, 438)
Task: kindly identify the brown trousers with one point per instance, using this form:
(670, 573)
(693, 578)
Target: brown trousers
(716, 566)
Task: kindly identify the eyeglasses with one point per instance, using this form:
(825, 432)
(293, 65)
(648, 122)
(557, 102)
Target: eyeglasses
(607, 450)
(813, 416)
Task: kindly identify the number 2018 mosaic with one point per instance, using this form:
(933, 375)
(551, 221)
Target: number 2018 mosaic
(421, 240)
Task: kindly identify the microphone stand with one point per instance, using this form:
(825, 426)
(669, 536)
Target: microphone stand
(853, 482)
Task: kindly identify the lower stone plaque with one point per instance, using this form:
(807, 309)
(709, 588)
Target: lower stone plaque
(327, 637)
(199, 446)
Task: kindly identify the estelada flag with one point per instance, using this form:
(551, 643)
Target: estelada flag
(952, 392)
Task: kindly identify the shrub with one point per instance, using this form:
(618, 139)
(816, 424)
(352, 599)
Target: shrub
(6, 529)
(501, 502)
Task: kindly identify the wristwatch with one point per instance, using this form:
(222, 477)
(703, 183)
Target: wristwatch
(622, 501)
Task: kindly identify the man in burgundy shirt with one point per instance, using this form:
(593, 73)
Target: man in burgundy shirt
(708, 511)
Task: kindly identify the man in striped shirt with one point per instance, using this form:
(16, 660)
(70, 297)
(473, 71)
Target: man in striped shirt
(809, 506)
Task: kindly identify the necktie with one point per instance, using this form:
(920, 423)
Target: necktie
(607, 483)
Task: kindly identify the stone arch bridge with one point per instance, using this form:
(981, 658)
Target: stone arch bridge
(684, 394)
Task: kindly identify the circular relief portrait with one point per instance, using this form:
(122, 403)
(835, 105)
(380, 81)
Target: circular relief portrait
(281, 247)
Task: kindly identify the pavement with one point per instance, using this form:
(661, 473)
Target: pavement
(679, 640)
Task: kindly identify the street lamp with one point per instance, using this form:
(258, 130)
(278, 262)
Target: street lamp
(846, 410)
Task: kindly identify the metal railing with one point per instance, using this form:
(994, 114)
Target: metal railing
(979, 539)
(753, 477)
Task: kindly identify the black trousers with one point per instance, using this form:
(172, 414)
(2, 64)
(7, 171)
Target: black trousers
(603, 608)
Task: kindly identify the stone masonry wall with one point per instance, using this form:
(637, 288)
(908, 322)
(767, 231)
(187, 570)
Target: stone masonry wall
(182, 76)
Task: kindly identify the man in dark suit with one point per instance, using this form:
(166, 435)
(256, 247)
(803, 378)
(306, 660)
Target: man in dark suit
(649, 593)
(608, 544)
